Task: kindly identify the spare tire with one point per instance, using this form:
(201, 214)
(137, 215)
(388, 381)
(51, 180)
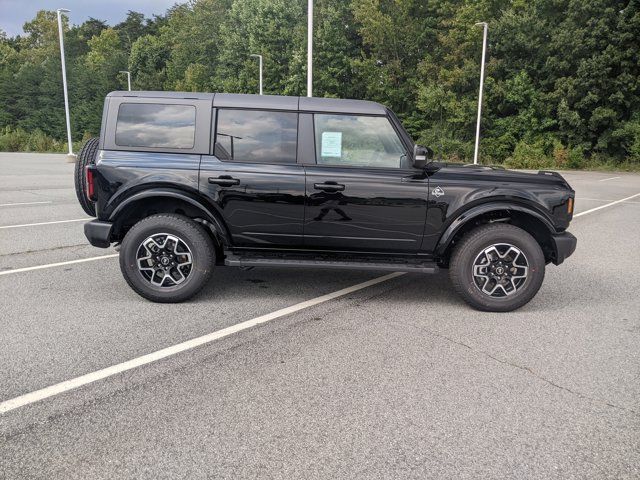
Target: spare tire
(87, 156)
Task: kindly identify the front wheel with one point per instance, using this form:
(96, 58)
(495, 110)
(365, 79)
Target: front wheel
(167, 258)
(497, 267)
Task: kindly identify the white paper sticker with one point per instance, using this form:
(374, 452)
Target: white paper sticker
(331, 145)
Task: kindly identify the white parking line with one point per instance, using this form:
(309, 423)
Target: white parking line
(88, 378)
(605, 206)
(44, 223)
(607, 179)
(67, 385)
(594, 199)
(21, 203)
(580, 199)
(59, 264)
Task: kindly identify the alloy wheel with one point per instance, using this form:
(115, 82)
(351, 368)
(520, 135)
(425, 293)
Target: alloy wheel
(500, 270)
(164, 260)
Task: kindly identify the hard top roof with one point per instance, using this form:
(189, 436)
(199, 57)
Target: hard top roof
(270, 102)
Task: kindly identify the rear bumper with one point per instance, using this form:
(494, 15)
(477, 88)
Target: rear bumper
(564, 245)
(98, 233)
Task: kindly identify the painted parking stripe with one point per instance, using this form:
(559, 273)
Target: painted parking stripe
(585, 199)
(74, 383)
(88, 378)
(44, 223)
(607, 179)
(22, 203)
(606, 205)
(59, 264)
(588, 199)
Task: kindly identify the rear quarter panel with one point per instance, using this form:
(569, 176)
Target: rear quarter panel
(122, 174)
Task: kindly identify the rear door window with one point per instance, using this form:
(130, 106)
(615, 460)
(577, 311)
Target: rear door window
(256, 136)
(153, 125)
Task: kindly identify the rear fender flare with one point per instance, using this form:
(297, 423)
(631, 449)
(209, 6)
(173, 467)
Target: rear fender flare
(212, 218)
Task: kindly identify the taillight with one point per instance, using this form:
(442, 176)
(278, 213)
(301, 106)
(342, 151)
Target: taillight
(90, 176)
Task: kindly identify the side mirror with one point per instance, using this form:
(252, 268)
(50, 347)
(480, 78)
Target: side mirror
(421, 156)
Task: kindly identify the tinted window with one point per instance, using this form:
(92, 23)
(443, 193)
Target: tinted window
(256, 136)
(358, 141)
(156, 126)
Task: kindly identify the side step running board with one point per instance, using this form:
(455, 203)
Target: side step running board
(235, 261)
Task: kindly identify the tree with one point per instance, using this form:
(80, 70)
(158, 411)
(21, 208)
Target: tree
(562, 77)
(148, 62)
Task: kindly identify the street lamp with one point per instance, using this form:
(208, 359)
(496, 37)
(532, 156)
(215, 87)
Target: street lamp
(259, 57)
(128, 77)
(485, 27)
(309, 47)
(70, 156)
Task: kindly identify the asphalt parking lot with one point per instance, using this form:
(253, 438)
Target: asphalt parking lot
(398, 379)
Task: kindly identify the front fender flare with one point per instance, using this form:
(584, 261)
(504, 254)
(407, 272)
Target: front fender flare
(473, 212)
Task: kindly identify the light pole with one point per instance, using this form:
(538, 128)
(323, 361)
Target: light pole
(128, 77)
(70, 155)
(259, 57)
(309, 48)
(484, 51)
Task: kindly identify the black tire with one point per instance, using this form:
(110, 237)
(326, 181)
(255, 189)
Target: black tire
(87, 156)
(470, 250)
(196, 240)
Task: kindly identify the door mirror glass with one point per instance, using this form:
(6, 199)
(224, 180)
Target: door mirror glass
(421, 156)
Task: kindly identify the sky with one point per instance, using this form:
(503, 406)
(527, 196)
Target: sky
(14, 13)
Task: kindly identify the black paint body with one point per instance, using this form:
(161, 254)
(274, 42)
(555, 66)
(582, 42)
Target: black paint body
(306, 207)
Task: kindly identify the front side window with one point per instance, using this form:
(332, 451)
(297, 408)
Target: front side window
(355, 140)
(256, 136)
(153, 125)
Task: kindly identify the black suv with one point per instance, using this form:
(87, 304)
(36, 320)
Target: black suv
(187, 181)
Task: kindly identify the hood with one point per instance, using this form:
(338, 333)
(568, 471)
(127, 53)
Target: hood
(500, 174)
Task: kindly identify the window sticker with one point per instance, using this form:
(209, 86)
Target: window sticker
(331, 145)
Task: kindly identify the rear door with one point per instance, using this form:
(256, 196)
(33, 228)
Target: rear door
(363, 194)
(253, 176)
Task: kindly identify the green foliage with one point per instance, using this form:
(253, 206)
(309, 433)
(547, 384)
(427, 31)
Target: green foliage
(19, 140)
(528, 155)
(148, 63)
(562, 83)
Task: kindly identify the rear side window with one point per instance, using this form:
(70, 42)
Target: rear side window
(153, 125)
(256, 136)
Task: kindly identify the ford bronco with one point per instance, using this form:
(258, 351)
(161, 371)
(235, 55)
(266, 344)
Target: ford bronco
(185, 182)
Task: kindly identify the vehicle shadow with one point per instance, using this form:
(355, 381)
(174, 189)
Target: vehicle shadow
(259, 283)
(432, 291)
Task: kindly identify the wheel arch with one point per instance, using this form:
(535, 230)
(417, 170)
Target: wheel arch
(168, 200)
(522, 216)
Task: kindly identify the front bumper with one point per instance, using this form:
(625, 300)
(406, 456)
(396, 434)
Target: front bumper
(564, 245)
(98, 233)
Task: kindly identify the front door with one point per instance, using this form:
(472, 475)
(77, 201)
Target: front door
(362, 192)
(253, 177)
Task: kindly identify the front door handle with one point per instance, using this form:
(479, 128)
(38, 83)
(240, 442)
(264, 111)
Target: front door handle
(224, 181)
(329, 187)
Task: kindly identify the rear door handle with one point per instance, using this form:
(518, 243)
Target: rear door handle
(329, 187)
(224, 181)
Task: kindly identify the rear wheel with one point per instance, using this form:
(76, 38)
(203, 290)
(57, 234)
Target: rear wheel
(87, 156)
(167, 258)
(497, 268)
